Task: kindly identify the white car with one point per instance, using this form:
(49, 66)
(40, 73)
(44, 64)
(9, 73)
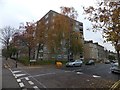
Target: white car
(74, 63)
(115, 68)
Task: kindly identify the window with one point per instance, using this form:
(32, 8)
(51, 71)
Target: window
(46, 16)
(77, 23)
(46, 22)
(53, 20)
(54, 14)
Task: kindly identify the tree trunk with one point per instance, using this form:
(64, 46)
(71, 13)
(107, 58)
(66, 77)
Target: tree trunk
(38, 52)
(7, 52)
(29, 53)
(118, 57)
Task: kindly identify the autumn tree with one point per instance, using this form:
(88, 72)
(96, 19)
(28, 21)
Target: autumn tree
(106, 17)
(7, 33)
(40, 35)
(74, 40)
(58, 34)
(61, 34)
(28, 37)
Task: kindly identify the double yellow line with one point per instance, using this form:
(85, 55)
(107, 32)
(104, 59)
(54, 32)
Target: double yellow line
(116, 86)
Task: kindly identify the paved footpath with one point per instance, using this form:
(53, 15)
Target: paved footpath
(8, 80)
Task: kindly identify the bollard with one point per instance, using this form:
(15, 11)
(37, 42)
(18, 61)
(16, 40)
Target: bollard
(16, 64)
(58, 64)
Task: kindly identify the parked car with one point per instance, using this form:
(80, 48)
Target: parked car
(90, 62)
(74, 63)
(107, 61)
(113, 61)
(115, 68)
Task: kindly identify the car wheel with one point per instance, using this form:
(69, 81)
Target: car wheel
(73, 65)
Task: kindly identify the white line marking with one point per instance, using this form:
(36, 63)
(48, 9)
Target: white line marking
(21, 84)
(68, 71)
(15, 71)
(26, 78)
(35, 87)
(76, 70)
(30, 82)
(36, 80)
(96, 76)
(10, 69)
(24, 89)
(14, 75)
(42, 74)
(79, 73)
(18, 75)
(18, 80)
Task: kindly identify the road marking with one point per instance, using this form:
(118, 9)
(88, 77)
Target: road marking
(96, 76)
(36, 88)
(77, 70)
(24, 89)
(30, 82)
(15, 71)
(14, 75)
(26, 78)
(21, 84)
(79, 73)
(42, 75)
(37, 80)
(18, 75)
(68, 71)
(18, 80)
(10, 70)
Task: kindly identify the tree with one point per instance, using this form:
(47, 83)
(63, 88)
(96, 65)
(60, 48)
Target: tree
(28, 37)
(7, 33)
(58, 34)
(106, 17)
(62, 35)
(40, 35)
(74, 41)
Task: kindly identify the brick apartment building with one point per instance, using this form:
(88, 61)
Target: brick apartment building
(48, 21)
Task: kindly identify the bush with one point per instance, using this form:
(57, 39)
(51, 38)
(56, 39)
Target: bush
(49, 62)
(24, 60)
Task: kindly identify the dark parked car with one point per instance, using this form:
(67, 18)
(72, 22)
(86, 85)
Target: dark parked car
(90, 62)
(115, 68)
(107, 62)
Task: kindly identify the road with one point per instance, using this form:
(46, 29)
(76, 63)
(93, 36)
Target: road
(100, 69)
(51, 77)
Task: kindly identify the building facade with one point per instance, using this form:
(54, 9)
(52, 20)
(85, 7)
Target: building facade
(94, 51)
(49, 19)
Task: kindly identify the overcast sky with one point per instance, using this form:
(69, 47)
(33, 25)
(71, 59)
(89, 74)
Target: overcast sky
(13, 12)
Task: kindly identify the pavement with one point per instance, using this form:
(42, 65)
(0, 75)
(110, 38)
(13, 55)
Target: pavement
(7, 77)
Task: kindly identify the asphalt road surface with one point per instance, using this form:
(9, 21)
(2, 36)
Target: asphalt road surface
(101, 70)
(49, 76)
